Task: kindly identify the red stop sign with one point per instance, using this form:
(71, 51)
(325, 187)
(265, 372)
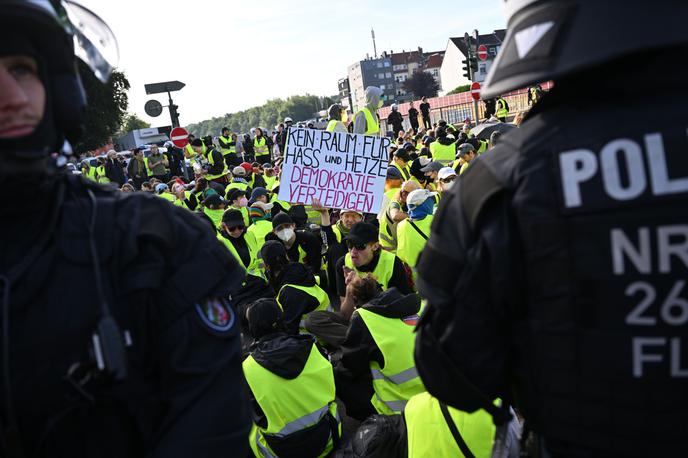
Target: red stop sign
(482, 52)
(179, 137)
(475, 91)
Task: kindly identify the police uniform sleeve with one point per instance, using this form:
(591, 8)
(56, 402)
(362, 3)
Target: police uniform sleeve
(466, 272)
(185, 330)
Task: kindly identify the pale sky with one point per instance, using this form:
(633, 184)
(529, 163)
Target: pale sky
(233, 55)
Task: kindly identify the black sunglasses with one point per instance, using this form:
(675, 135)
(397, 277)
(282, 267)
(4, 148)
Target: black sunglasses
(359, 246)
(234, 228)
(448, 180)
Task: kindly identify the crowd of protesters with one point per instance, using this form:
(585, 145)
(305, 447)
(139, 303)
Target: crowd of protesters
(329, 300)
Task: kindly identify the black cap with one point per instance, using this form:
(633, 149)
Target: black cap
(257, 192)
(433, 166)
(408, 146)
(281, 218)
(271, 250)
(264, 317)
(393, 173)
(197, 142)
(235, 193)
(213, 200)
(402, 154)
(363, 233)
(233, 217)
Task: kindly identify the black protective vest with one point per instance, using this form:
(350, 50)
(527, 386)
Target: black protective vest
(601, 350)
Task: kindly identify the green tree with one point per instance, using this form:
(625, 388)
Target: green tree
(133, 122)
(422, 84)
(460, 89)
(107, 107)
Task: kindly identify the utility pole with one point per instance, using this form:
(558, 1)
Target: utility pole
(372, 32)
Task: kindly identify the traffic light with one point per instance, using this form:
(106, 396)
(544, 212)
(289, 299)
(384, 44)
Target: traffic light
(470, 67)
(174, 115)
(474, 65)
(466, 69)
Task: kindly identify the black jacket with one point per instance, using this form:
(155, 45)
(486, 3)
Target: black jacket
(175, 156)
(396, 120)
(311, 245)
(161, 267)
(218, 162)
(413, 115)
(295, 303)
(537, 299)
(114, 170)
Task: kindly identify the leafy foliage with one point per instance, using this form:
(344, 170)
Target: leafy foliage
(268, 115)
(133, 122)
(422, 84)
(107, 107)
(460, 89)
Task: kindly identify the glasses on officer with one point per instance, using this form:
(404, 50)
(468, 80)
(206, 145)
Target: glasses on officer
(448, 179)
(239, 227)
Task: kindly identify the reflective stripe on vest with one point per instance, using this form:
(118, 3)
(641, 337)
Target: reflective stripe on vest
(372, 124)
(398, 380)
(409, 242)
(429, 435)
(383, 270)
(260, 147)
(292, 405)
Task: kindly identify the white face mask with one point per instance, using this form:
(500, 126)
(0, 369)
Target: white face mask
(285, 234)
(447, 186)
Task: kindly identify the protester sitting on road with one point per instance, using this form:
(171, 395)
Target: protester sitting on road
(376, 372)
(365, 256)
(292, 389)
(214, 207)
(395, 212)
(239, 180)
(259, 214)
(401, 161)
(445, 179)
(413, 232)
(466, 154)
(236, 198)
(301, 246)
(297, 291)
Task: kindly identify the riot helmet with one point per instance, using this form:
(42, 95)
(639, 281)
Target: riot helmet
(548, 39)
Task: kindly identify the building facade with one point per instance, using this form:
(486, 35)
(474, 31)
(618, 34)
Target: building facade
(451, 71)
(371, 72)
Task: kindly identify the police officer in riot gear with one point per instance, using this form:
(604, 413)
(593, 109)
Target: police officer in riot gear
(564, 250)
(117, 337)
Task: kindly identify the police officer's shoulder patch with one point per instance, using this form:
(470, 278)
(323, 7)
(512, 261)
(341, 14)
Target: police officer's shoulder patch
(216, 316)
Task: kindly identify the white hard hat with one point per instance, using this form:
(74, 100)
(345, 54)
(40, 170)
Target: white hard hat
(288, 119)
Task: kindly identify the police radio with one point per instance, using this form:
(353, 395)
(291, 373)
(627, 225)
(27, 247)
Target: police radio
(107, 345)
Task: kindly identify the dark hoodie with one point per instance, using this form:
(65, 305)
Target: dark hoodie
(295, 303)
(282, 354)
(359, 348)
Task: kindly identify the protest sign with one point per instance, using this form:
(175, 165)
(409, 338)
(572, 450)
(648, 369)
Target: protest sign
(341, 170)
